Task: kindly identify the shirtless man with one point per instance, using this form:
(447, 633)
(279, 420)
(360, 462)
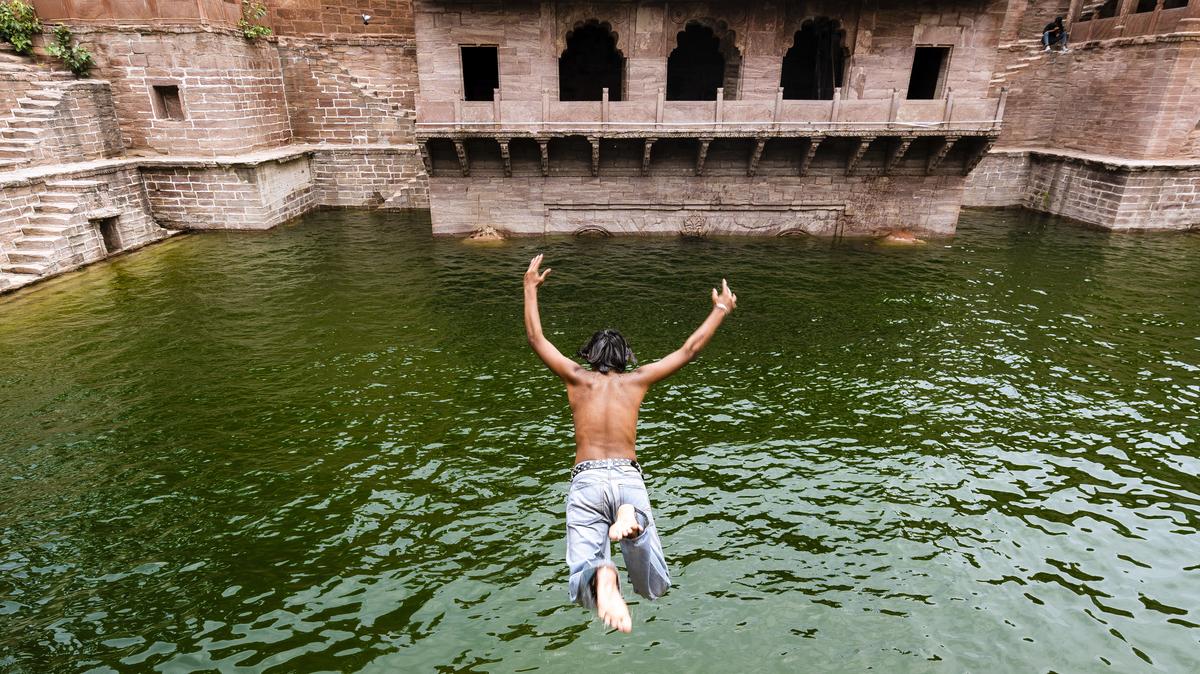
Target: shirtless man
(607, 500)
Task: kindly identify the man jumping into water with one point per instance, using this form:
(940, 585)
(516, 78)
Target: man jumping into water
(607, 500)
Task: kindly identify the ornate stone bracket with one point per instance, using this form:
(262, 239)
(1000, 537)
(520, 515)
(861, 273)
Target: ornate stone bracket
(863, 144)
(463, 163)
(646, 145)
(595, 155)
(425, 158)
(806, 160)
(504, 156)
(755, 156)
(702, 154)
(544, 148)
(899, 150)
(943, 149)
(978, 155)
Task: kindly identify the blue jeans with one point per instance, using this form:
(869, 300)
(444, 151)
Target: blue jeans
(592, 504)
(1062, 39)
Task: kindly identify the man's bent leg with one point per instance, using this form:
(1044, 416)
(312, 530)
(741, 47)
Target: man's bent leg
(588, 547)
(643, 553)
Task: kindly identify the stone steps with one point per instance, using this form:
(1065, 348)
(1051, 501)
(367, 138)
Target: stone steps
(20, 132)
(38, 242)
(26, 268)
(71, 187)
(41, 256)
(16, 148)
(10, 281)
(55, 207)
(39, 230)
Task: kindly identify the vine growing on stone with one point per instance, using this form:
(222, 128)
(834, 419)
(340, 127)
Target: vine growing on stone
(253, 12)
(77, 58)
(18, 24)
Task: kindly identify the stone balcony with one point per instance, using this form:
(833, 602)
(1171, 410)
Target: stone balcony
(854, 136)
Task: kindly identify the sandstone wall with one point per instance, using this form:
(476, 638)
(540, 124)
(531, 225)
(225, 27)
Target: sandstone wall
(339, 17)
(1132, 97)
(240, 196)
(1109, 197)
(879, 36)
(83, 127)
(141, 12)
(231, 88)
(1000, 179)
(386, 177)
(360, 90)
(823, 206)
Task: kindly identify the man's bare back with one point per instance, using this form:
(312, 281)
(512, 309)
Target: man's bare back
(604, 403)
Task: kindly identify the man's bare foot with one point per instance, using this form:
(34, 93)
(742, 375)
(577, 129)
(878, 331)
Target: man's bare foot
(626, 525)
(610, 605)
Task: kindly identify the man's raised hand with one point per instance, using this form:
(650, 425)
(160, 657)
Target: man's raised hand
(725, 298)
(532, 277)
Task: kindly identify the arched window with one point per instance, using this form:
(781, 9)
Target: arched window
(814, 64)
(701, 63)
(590, 63)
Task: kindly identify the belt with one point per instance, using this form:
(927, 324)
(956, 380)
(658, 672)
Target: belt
(603, 463)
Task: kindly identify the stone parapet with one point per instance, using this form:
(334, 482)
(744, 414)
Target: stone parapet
(1102, 191)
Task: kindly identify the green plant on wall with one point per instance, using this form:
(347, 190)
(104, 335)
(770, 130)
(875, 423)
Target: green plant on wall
(18, 24)
(253, 12)
(77, 58)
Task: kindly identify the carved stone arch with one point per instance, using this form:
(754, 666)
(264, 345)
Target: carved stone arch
(817, 59)
(590, 61)
(592, 230)
(726, 45)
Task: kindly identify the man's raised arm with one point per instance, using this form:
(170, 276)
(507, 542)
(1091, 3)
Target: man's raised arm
(559, 364)
(723, 303)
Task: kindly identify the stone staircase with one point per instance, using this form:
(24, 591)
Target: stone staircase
(45, 245)
(23, 127)
(22, 131)
(1029, 53)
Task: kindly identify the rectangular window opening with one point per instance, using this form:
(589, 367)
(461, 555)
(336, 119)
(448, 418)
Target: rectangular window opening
(481, 73)
(928, 72)
(110, 238)
(167, 103)
(1145, 6)
(1174, 4)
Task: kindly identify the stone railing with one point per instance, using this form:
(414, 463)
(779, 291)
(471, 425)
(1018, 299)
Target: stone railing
(665, 118)
(1131, 23)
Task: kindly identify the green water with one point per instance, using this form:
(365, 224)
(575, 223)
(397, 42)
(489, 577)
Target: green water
(327, 447)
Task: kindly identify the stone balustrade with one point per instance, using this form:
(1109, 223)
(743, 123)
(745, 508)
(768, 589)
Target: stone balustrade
(662, 118)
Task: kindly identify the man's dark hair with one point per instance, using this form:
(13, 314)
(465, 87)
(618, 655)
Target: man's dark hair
(1058, 20)
(607, 350)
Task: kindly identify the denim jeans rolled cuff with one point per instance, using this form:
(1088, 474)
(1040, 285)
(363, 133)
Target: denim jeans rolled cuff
(583, 586)
(1047, 41)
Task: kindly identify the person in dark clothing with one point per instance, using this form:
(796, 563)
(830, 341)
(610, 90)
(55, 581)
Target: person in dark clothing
(1055, 33)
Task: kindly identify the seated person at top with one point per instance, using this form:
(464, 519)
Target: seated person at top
(1055, 34)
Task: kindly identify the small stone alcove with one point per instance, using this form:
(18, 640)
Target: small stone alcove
(109, 234)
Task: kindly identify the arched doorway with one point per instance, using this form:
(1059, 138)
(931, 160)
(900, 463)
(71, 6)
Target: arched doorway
(702, 62)
(814, 65)
(590, 63)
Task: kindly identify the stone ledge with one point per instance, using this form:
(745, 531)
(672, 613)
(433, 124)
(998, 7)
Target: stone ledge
(1106, 161)
(34, 174)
